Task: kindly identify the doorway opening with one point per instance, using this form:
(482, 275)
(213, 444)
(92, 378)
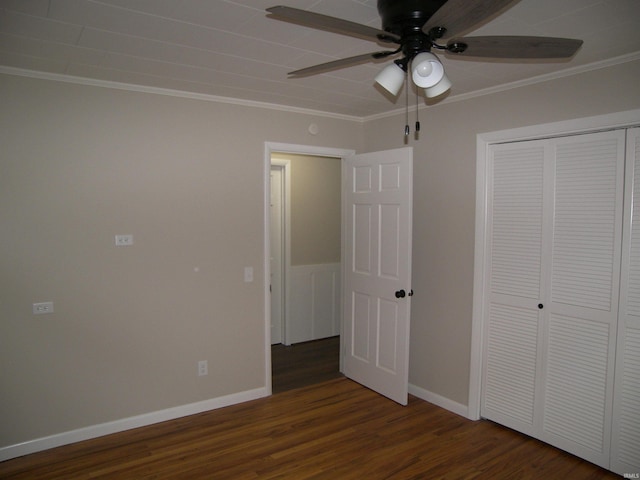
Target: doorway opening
(375, 277)
(302, 364)
(304, 264)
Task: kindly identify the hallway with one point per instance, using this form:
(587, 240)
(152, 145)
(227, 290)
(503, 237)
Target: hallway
(303, 364)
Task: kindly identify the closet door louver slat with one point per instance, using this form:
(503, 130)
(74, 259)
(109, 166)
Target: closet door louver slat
(511, 363)
(517, 221)
(584, 233)
(576, 383)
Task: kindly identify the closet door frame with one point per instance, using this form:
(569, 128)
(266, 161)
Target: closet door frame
(626, 119)
(624, 453)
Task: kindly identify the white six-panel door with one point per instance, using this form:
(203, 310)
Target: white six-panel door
(377, 270)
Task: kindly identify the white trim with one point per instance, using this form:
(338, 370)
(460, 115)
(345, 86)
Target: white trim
(269, 149)
(94, 431)
(307, 150)
(596, 123)
(58, 77)
(475, 366)
(286, 173)
(631, 57)
(625, 119)
(267, 268)
(439, 400)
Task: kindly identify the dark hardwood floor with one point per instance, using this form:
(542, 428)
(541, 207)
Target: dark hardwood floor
(335, 430)
(303, 364)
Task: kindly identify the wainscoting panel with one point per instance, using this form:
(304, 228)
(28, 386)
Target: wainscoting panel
(314, 303)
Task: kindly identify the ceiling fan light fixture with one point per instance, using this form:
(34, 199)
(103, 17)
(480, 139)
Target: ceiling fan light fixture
(426, 70)
(439, 88)
(391, 78)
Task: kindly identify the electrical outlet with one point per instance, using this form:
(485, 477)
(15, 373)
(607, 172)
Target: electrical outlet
(124, 240)
(203, 368)
(42, 308)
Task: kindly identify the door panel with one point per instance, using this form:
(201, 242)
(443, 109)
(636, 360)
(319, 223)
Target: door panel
(576, 384)
(583, 286)
(516, 226)
(361, 315)
(388, 329)
(587, 216)
(389, 248)
(511, 366)
(377, 206)
(362, 239)
(515, 222)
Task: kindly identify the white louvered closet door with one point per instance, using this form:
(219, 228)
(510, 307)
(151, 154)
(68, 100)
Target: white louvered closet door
(625, 446)
(581, 299)
(554, 234)
(515, 241)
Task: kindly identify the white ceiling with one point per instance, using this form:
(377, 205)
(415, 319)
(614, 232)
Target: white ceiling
(229, 48)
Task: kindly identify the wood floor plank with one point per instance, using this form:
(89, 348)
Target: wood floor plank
(333, 430)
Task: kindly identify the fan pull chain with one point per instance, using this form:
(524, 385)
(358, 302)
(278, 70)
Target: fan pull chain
(406, 86)
(417, 112)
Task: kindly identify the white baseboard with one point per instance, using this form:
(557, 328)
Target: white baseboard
(94, 431)
(439, 400)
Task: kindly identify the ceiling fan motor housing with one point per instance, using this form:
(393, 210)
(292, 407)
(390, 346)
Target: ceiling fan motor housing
(406, 17)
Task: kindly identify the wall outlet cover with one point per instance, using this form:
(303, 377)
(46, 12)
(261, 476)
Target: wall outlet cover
(42, 308)
(124, 240)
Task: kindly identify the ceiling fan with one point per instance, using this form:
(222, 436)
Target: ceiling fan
(416, 27)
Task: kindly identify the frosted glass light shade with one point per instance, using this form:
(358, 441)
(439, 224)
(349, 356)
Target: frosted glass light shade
(391, 78)
(439, 88)
(426, 70)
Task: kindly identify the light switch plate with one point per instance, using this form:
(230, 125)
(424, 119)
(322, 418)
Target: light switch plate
(248, 274)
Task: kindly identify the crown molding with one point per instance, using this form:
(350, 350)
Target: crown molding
(272, 106)
(59, 77)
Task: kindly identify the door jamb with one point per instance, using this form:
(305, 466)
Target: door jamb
(285, 165)
(269, 149)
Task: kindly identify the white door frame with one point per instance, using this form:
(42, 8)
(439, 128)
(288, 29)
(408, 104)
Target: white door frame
(571, 127)
(269, 149)
(284, 166)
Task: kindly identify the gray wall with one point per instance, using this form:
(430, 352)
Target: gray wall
(79, 164)
(315, 208)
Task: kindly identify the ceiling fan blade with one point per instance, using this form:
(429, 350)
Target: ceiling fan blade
(459, 16)
(333, 24)
(515, 47)
(343, 62)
